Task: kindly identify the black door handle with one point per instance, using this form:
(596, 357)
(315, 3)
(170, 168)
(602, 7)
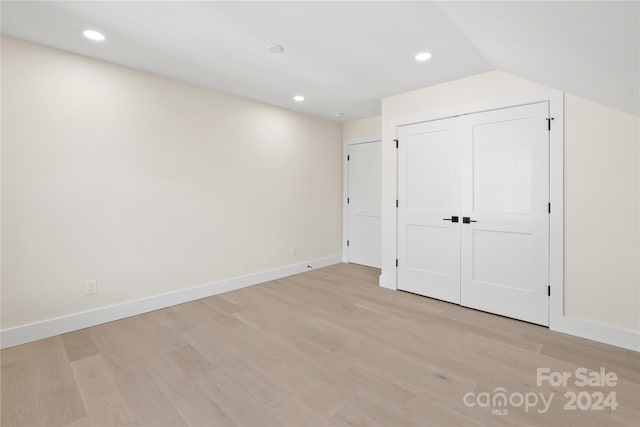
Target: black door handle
(452, 219)
(467, 220)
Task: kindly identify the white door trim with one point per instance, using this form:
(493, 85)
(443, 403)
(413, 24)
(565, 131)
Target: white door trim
(345, 188)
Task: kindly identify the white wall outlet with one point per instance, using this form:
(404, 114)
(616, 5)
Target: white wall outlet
(91, 287)
(293, 251)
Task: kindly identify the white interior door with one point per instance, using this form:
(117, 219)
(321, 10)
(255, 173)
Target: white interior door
(364, 204)
(505, 190)
(428, 199)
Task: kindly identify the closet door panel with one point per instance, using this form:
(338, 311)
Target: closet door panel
(428, 198)
(505, 195)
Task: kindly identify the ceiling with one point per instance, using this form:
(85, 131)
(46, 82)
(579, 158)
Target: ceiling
(345, 56)
(590, 49)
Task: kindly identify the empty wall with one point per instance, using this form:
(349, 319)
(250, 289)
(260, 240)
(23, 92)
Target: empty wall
(602, 258)
(363, 129)
(149, 185)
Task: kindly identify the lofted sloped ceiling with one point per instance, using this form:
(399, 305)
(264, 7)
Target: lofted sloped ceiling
(345, 56)
(589, 48)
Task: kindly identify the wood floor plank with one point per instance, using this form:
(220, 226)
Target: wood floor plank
(16, 354)
(18, 396)
(78, 345)
(176, 321)
(102, 399)
(350, 416)
(374, 387)
(236, 403)
(52, 364)
(204, 342)
(82, 422)
(424, 411)
(292, 339)
(190, 361)
(251, 381)
(156, 329)
(61, 406)
(298, 331)
(174, 382)
(146, 400)
(202, 411)
(109, 335)
(291, 412)
(222, 305)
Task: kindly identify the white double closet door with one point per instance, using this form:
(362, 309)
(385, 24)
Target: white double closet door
(490, 172)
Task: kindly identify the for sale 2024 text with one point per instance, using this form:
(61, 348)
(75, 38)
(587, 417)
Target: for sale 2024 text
(583, 400)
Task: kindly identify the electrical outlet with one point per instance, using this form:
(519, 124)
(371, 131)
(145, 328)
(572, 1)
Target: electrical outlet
(91, 287)
(293, 251)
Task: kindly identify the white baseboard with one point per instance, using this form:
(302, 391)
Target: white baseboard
(620, 337)
(384, 283)
(73, 322)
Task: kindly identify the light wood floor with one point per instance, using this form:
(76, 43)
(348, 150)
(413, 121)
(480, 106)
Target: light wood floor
(328, 347)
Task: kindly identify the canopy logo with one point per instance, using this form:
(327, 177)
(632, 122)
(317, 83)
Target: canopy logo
(499, 401)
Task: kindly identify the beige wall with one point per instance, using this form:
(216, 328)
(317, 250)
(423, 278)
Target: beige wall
(371, 127)
(149, 185)
(602, 255)
(602, 280)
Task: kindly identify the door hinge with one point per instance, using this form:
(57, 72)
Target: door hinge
(396, 203)
(396, 262)
(347, 243)
(348, 157)
(549, 290)
(396, 142)
(549, 123)
(549, 207)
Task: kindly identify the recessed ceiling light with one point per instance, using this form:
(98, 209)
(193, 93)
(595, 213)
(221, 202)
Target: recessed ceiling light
(94, 35)
(338, 114)
(298, 98)
(423, 56)
(275, 48)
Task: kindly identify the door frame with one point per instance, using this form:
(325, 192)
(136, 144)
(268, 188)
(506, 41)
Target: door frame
(346, 143)
(555, 99)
